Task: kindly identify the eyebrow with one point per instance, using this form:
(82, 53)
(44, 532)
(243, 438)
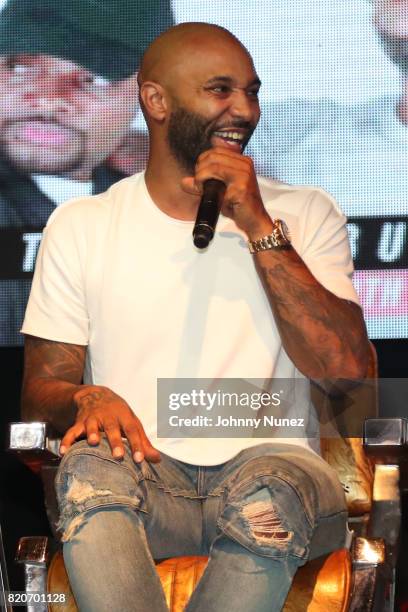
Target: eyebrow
(229, 81)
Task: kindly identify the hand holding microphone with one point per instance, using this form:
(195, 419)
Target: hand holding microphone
(227, 183)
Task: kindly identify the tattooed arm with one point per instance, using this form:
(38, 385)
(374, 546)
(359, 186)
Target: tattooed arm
(52, 392)
(324, 335)
(52, 375)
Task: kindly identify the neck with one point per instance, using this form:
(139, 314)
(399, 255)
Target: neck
(163, 180)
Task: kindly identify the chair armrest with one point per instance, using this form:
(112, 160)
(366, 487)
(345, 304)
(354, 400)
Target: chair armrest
(386, 440)
(372, 579)
(33, 438)
(34, 550)
(33, 554)
(33, 445)
(386, 443)
(38, 450)
(385, 517)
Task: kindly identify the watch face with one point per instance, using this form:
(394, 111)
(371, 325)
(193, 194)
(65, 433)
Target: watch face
(284, 230)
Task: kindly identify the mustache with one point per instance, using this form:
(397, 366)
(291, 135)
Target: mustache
(41, 117)
(238, 123)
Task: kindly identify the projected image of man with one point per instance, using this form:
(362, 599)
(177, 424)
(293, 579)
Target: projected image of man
(68, 95)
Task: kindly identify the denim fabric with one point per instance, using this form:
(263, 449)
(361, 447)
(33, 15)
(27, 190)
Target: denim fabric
(258, 516)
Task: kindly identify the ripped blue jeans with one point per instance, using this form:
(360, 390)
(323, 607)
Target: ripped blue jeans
(258, 516)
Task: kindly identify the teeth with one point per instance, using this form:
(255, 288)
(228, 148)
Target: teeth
(230, 135)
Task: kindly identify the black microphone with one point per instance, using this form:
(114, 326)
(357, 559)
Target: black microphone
(208, 212)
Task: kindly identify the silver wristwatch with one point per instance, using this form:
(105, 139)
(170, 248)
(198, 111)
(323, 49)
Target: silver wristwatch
(279, 238)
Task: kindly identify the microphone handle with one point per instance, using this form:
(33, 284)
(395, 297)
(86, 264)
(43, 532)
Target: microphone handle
(208, 212)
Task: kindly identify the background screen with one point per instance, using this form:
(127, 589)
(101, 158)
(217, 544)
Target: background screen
(334, 102)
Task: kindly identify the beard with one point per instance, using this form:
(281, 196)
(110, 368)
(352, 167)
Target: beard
(189, 135)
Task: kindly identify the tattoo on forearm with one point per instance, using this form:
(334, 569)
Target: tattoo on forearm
(317, 327)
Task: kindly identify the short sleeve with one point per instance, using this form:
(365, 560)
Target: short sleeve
(56, 308)
(325, 248)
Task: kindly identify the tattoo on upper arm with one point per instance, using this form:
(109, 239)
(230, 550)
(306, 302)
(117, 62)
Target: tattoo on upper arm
(49, 359)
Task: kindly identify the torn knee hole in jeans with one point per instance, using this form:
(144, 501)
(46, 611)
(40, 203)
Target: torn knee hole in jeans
(78, 493)
(265, 524)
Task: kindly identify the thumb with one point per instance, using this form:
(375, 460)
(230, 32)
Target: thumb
(189, 185)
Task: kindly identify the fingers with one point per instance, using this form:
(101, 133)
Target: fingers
(139, 443)
(114, 436)
(218, 163)
(92, 431)
(101, 410)
(224, 168)
(73, 433)
(132, 432)
(91, 428)
(151, 453)
(223, 159)
(223, 151)
(189, 185)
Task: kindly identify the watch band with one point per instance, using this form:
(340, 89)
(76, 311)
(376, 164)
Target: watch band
(278, 239)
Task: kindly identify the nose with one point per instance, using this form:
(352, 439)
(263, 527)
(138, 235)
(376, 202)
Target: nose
(243, 106)
(51, 93)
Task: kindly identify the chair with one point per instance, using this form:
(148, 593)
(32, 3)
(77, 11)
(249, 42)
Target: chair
(359, 578)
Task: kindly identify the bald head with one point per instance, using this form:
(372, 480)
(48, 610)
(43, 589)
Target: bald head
(180, 45)
(197, 81)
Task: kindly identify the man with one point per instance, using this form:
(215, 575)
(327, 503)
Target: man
(67, 97)
(134, 301)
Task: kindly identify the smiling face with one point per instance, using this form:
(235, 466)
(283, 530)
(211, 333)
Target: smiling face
(199, 89)
(214, 97)
(58, 118)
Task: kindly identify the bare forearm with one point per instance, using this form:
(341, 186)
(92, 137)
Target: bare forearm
(324, 335)
(50, 400)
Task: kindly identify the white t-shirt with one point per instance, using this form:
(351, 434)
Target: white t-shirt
(117, 274)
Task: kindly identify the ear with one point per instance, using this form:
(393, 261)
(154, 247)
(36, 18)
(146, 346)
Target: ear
(153, 98)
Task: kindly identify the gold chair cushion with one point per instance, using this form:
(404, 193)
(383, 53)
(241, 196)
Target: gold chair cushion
(321, 585)
(179, 577)
(57, 582)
